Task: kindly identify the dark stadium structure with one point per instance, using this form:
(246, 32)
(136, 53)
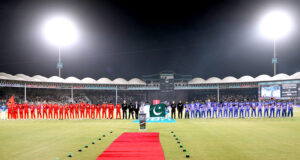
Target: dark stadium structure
(164, 86)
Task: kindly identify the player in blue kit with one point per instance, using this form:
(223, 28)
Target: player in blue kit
(272, 108)
(259, 109)
(220, 109)
(3, 110)
(284, 108)
(187, 110)
(230, 113)
(215, 109)
(247, 108)
(197, 106)
(253, 109)
(290, 108)
(236, 108)
(203, 109)
(241, 108)
(209, 107)
(278, 108)
(266, 109)
(192, 108)
(225, 108)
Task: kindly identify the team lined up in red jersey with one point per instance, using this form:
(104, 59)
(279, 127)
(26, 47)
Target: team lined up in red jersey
(63, 111)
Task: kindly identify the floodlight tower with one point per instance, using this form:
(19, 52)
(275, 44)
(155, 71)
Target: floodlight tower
(275, 25)
(61, 32)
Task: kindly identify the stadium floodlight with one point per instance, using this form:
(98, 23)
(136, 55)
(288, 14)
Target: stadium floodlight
(60, 31)
(275, 25)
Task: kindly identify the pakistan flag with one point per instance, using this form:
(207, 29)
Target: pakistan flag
(158, 110)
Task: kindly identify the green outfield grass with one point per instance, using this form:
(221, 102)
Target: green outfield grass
(212, 139)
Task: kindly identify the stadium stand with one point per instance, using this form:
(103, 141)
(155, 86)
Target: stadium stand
(165, 85)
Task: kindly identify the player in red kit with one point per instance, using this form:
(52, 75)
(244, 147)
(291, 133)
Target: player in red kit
(9, 110)
(118, 108)
(111, 110)
(71, 110)
(104, 108)
(93, 107)
(77, 110)
(98, 110)
(61, 111)
(55, 111)
(32, 110)
(82, 108)
(21, 110)
(45, 110)
(26, 110)
(66, 108)
(14, 111)
(101, 108)
(50, 110)
(87, 111)
(18, 112)
(39, 111)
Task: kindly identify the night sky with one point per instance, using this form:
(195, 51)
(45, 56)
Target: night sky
(121, 39)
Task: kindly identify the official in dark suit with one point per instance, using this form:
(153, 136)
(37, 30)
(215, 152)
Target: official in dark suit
(131, 110)
(173, 110)
(180, 109)
(124, 109)
(136, 109)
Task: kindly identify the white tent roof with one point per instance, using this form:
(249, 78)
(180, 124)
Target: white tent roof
(11, 77)
(196, 81)
(263, 77)
(295, 76)
(229, 79)
(88, 80)
(72, 80)
(3, 77)
(25, 77)
(120, 81)
(104, 81)
(56, 79)
(246, 79)
(4, 74)
(280, 76)
(136, 81)
(40, 78)
(213, 80)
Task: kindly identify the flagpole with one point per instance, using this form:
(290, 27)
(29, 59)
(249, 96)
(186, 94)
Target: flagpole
(218, 93)
(72, 94)
(25, 93)
(116, 94)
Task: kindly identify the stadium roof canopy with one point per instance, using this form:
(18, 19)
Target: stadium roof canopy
(247, 78)
(55, 79)
(137, 81)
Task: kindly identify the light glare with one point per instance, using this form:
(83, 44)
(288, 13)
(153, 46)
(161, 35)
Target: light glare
(60, 31)
(276, 24)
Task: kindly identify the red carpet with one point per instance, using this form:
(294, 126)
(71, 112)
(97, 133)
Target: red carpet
(134, 146)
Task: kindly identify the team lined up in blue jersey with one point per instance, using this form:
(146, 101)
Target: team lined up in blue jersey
(243, 109)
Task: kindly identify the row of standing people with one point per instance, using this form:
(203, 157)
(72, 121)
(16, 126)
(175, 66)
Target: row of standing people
(56, 110)
(233, 109)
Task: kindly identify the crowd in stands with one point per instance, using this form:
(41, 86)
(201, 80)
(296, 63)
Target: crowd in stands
(99, 96)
